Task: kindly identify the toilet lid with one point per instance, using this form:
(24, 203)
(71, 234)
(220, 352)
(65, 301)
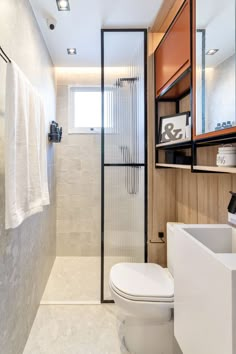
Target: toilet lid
(142, 282)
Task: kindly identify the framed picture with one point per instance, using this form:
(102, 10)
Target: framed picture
(172, 128)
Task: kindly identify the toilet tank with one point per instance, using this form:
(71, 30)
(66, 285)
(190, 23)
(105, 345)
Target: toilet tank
(171, 245)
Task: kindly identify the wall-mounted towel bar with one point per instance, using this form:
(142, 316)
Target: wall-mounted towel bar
(4, 56)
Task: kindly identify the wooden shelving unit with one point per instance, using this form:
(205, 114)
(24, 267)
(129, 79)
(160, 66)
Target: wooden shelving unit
(168, 165)
(215, 169)
(173, 81)
(205, 151)
(176, 93)
(175, 144)
(175, 99)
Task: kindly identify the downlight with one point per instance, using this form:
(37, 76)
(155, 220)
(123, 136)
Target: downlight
(63, 5)
(212, 51)
(71, 51)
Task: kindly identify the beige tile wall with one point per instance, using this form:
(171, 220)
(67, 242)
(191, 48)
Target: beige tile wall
(78, 175)
(27, 252)
(79, 185)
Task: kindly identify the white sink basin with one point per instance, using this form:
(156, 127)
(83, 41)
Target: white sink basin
(218, 238)
(205, 289)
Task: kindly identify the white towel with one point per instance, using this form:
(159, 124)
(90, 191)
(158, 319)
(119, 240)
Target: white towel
(26, 183)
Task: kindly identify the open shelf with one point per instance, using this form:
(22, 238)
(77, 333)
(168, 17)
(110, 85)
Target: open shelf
(170, 165)
(219, 169)
(208, 140)
(175, 144)
(173, 100)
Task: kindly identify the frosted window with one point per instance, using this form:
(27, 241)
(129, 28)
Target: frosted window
(85, 112)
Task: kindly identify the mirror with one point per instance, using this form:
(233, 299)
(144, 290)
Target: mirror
(215, 65)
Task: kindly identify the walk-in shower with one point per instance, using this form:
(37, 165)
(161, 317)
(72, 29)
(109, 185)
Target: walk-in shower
(87, 203)
(124, 179)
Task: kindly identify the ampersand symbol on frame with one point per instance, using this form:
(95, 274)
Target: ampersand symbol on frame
(170, 133)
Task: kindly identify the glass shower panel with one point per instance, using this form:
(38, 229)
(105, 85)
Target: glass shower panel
(124, 219)
(124, 162)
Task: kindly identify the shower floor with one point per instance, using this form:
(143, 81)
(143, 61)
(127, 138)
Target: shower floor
(73, 280)
(77, 280)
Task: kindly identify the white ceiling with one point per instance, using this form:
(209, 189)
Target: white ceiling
(81, 26)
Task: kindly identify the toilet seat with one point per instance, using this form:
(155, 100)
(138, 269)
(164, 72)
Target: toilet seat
(145, 282)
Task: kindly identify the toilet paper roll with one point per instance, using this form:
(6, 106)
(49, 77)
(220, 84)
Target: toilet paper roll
(188, 132)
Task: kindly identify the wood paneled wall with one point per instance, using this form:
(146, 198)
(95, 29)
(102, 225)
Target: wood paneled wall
(191, 198)
(161, 183)
(179, 195)
(203, 198)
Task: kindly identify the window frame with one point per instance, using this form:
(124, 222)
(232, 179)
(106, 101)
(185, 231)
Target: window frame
(72, 129)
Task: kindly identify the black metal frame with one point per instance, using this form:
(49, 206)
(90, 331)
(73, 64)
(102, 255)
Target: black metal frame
(103, 164)
(124, 164)
(162, 98)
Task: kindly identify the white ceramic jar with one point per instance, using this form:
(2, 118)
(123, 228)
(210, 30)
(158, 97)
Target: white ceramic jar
(226, 156)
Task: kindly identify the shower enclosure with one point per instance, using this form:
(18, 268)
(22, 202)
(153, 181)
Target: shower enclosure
(124, 173)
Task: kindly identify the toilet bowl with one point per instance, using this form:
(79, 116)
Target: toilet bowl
(144, 292)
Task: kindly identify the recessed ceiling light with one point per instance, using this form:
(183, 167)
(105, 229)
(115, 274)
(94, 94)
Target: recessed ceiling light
(71, 51)
(63, 5)
(212, 51)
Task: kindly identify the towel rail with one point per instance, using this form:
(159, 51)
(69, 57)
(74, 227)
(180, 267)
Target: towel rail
(4, 56)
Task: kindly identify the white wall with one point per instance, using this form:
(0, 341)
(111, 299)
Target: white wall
(27, 252)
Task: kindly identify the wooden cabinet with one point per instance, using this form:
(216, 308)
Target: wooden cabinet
(172, 56)
(185, 81)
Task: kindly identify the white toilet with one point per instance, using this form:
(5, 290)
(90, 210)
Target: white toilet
(145, 294)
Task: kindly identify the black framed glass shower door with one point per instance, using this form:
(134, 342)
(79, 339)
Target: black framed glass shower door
(124, 173)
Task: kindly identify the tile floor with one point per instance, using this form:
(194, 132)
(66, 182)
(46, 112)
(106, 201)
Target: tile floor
(76, 280)
(67, 321)
(70, 319)
(73, 280)
(74, 329)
